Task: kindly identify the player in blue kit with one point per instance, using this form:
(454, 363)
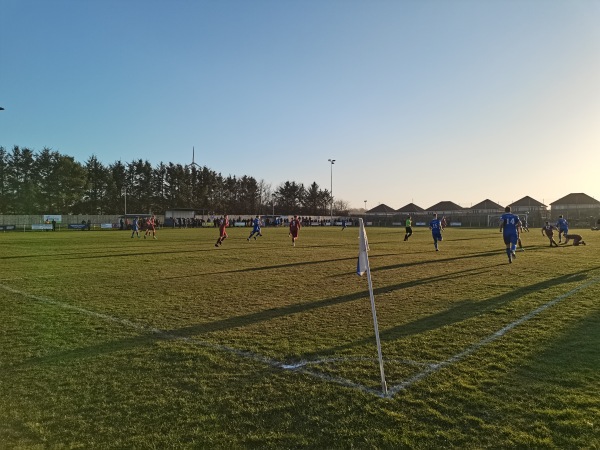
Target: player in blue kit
(256, 230)
(135, 227)
(510, 225)
(436, 231)
(563, 227)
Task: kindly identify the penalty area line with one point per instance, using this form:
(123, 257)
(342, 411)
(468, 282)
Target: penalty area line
(432, 368)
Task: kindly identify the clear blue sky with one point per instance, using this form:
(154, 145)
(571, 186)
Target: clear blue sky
(417, 101)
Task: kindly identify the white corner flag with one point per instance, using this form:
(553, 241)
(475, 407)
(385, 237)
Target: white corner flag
(362, 267)
(363, 248)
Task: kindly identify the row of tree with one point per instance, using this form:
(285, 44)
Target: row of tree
(50, 183)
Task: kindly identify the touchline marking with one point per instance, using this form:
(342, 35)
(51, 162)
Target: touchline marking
(498, 334)
(301, 366)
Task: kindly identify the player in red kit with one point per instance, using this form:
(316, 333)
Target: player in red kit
(150, 227)
(222, 233)
(294, 229)
(548, 230)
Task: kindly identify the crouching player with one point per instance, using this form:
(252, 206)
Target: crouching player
(510, 224)
(577, 239)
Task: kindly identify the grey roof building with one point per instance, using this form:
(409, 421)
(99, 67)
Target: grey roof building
(576, 205)
(410, 208)
(486, 207)
(445, 207)
(382, 209)
(527, 205)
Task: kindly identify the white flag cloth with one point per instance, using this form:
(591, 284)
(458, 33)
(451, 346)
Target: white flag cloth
(363, 248)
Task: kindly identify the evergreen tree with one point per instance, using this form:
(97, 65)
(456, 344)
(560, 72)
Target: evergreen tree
(96, 189)
(21, 183)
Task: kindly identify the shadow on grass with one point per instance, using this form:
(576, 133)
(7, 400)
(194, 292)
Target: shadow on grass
(352, 258)
(151, 336)
(435, 261)
(202, 247)
(457, 313)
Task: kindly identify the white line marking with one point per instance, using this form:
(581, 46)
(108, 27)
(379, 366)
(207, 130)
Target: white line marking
(300, 366)
(498, 334)
(165, 335)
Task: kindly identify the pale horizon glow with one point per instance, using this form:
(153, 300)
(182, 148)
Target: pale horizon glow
(417, 102)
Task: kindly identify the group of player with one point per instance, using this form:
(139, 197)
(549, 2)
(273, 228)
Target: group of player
(511, 227)
(562, 226)
(149, 227)
(256, 230)
(436, 226)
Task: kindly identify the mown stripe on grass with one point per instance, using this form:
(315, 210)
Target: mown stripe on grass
(197, 342)
(432, 368)
(301, 367)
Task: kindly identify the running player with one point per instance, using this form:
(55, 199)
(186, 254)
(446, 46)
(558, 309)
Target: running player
(548, 230)
(222, 233)
(256, 228)
(294, 229)
(577, 239)
(519, 243)
(563, 227)
(436, 231)
(510, 225)
(408, 228)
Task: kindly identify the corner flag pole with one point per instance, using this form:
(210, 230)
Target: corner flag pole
(362, 267)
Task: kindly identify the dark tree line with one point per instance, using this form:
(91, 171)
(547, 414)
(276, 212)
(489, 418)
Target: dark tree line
(50, 183)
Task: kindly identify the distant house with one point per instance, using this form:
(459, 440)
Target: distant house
(381, 210)
(484, 213)
(445, 208)
(411, 208)
(576, 206)
(487, 207)
(528, 205)
(535, 212)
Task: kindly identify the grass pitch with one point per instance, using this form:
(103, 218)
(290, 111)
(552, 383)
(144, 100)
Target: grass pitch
(113, 342)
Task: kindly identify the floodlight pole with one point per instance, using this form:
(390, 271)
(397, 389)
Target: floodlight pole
(365, 207)
(332, 161)
(124, 193)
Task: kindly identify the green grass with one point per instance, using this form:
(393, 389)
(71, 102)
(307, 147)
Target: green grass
(113, 342)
